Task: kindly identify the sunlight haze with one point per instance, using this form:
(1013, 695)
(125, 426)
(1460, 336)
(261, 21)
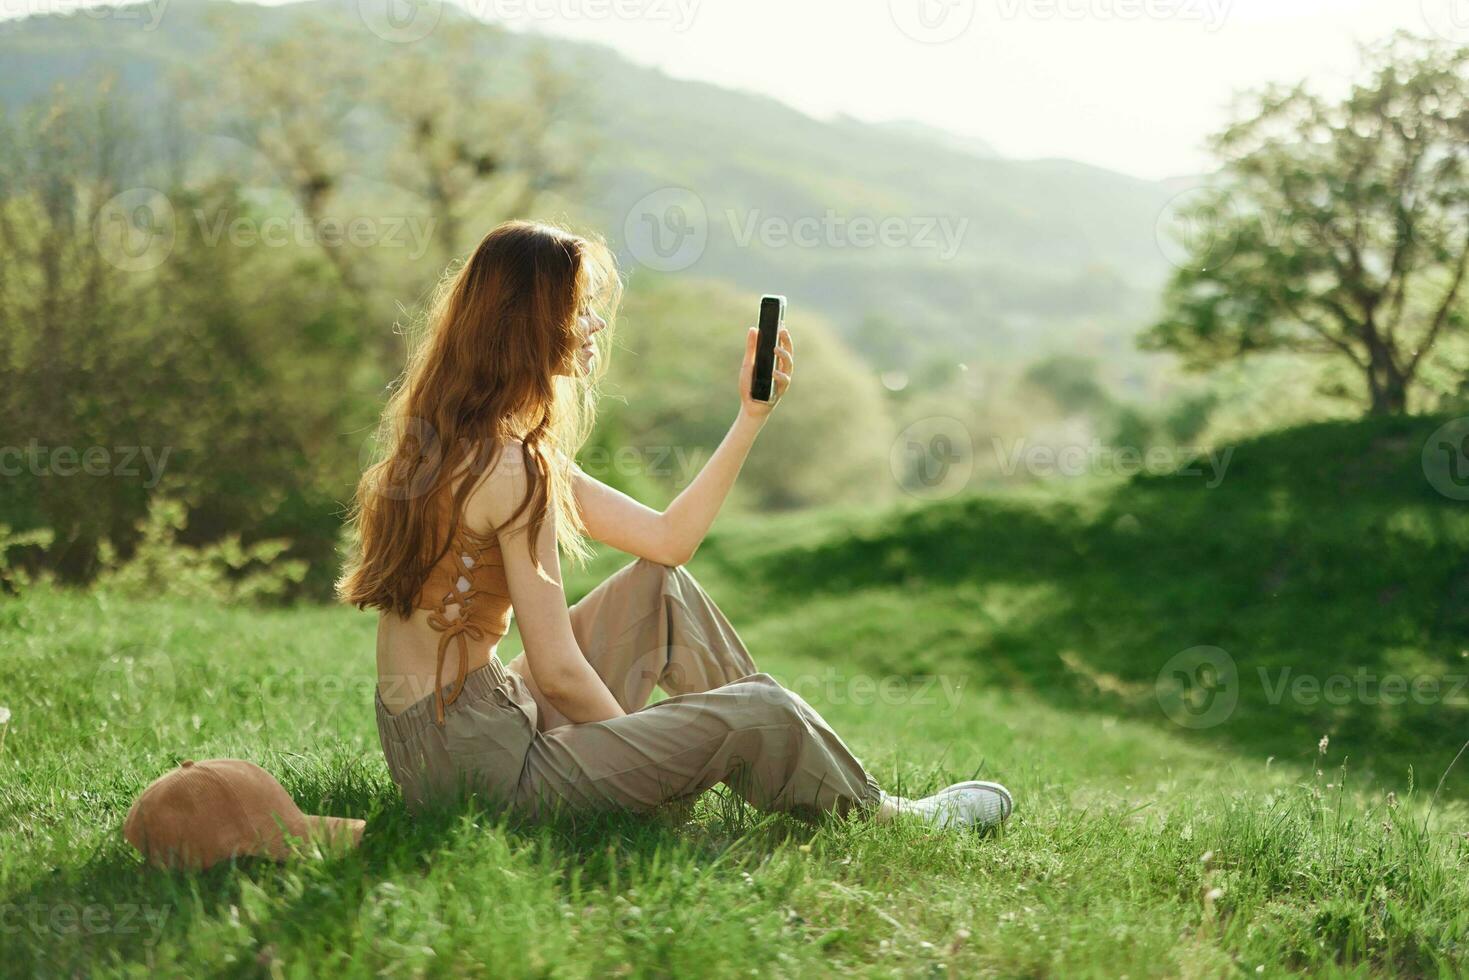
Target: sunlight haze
(1133, 85)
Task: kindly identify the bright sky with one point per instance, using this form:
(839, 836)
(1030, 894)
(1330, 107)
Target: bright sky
(1134, 85)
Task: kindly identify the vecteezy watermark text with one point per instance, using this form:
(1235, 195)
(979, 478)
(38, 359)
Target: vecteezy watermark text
(1211, 13)
(1363, 687)
(119, 461)
(941, 21)
(679, 13)
(678, 464)
(132, 689)
(1096, 458)
(362, 231)
(137, 230)
(833, 229)
(406, 21)
(1200, 687)
(42, 919)
(147, 14)
(669, 229)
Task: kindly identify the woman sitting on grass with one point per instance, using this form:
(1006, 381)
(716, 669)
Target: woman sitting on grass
(460, 523)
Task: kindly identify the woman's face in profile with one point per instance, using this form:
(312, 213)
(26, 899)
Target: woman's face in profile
(590, 324)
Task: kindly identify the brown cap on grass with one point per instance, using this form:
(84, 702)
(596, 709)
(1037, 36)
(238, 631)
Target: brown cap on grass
(206, 812)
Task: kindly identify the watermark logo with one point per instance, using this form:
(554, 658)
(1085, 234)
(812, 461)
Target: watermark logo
(1449, 19)
(126, 687)
(1446, 459)
(667, 230)
(932, 21)
(135, 230)
(1198, 687)
(933, 458)
(1196, 229)
(399, 921)
(400, 21)
(1363, 687)
(417, 439)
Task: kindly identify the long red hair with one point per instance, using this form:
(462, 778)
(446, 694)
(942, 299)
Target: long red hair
(496, 362)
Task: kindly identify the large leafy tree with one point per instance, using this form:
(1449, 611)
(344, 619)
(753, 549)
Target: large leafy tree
(1336, 227)
(140, 357)
(473, 126)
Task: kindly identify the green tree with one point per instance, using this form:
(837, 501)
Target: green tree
(473, 130)
(142, 355)
(1338, 228)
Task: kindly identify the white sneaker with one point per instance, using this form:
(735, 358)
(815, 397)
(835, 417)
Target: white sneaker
(974, 804)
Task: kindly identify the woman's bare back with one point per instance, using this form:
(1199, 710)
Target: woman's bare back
(407, 652)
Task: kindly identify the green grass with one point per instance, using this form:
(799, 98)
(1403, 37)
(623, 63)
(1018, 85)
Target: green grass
(1020, 637)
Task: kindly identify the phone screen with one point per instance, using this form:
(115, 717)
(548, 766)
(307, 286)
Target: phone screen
(762, 381)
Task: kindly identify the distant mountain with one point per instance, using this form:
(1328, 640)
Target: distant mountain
(963, 253)
(921, 132)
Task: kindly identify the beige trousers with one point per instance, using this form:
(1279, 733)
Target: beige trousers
(723, 721)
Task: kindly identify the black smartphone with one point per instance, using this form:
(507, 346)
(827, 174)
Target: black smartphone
(762, 379)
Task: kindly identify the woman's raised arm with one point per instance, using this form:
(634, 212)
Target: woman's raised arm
(672, 536)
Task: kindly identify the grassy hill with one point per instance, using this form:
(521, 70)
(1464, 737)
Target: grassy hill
(1020, 637)
(1042, 247)
(1323, 552)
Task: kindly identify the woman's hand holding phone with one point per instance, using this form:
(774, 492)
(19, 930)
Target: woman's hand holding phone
(785, 364)
(781, 373)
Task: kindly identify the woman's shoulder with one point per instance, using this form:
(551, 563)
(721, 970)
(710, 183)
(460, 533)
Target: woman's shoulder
(500, 487)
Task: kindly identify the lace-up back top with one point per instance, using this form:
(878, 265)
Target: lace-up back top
(468, 598)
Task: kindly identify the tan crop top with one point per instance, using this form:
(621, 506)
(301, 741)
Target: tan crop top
(471, 576)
